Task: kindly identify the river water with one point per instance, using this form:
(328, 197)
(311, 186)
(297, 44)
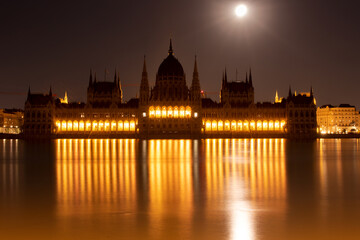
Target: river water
(180, 189)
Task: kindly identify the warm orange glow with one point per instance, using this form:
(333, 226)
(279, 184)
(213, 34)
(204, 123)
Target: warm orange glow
(259, 125)
(81, 126)
(234, 126)
(113, 126)
(95, 126)
(252, 125)
(120, 126)
(151, 112)
(208, 126)
(126, 126)
(88, 126)
(58, 125)
(158, 112)
(76, 126)
(214, 126)
(227, 125)
(107, 126)
(170, 112)
(182, 112)
(188, 112)
(220, 125)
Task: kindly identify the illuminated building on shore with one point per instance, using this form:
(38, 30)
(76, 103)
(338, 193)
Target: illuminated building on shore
(11, 121)
(334, 120)
(170, 109)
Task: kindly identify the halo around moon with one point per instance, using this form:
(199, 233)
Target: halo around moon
(241, 10)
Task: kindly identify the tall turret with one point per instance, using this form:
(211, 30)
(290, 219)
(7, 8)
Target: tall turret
(144, 85)
(195, 85)
(250, 78)
(90, 78)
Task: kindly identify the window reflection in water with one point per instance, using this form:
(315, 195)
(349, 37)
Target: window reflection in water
(166, 178)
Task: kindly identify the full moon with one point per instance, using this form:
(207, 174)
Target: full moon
(241, 10)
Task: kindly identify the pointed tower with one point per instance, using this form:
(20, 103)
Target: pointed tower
(29, 93)
(50, 92)
(290, 94)
(144, 84)
(250, 78)
(90, 78)
(115, 77)
(195, 85)
(171, 52)
(311, 91)
(246, 79)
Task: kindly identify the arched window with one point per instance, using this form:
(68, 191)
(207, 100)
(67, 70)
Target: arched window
(132, 125)
(182, 112)
(113, 126)
(246, 125)
(126, 126)
(259, 125)
(214, 126)
(69, 126)
(271, 125)
(107, 126)
(220, 125)
(208, 126)
(58, 125)
(252, 125)
(88, 126)
(120, 126)
(158, 112)
(170, 112)
(176, 112)
(95, 126)
(282, 124)
(151, 111)
(233, 125)
(240, 126)
(265, 125)
(277, 125)
(227, 125)
(63, 126)
(163, 112)
(76, 126)
(188, 112)
(81, 126)
(101, 126)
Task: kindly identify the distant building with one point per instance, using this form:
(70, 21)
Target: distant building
(11, 121)
(170, 109)
(338, 119)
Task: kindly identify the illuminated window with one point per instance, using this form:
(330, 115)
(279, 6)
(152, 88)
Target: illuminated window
(126, 126)
(132, 126)
(63, 126)
(170, 112)
(58, 125)
(144, 114)
(76, 126)
(101, 126)
(69, 126)
(176, 112)
(271, 125)
(151, 112)
(227, 125)
(265, 125)
(158, 112)
(113, 126)
(282, 124)
(259, 125)
(220, 126)
(88, 126)
(182, 112)
(252, 125)
(214, 126)
(107, 126)
(120, 126)
(95, 126)
(81, 126)
(163, 112)
(277, 125)
(233, 126)
(240, 126)
(246, 125)
(195, 114)
(188, 112)
(208, 126)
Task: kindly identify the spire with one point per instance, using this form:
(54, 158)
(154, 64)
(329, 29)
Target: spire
(115, 78)
(29, 92)
(171, 52)
(90, 78)
(144, 66)
(144, 85)
(290, 94)
(195, 67)
(95, 78)
(246, 78)
(276, 97)
(50, 92)
(250, 78)
(311, 91)
(225, 76)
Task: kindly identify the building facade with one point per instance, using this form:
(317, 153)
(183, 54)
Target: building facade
(11, 121)
(340, 119)
(170, 109)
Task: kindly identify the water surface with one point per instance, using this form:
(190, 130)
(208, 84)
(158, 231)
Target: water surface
(180, 189)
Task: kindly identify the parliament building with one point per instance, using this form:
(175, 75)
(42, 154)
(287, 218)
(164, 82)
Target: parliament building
(170, 109)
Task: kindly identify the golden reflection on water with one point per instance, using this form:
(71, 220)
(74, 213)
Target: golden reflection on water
(93, 173)
(108, 175)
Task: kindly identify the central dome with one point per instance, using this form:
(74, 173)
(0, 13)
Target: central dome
(170, 65)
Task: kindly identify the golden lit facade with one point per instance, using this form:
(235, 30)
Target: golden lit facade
(337, 120)
(11, 121)
(170, 109)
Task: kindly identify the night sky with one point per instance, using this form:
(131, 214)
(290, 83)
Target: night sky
(285, 42)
